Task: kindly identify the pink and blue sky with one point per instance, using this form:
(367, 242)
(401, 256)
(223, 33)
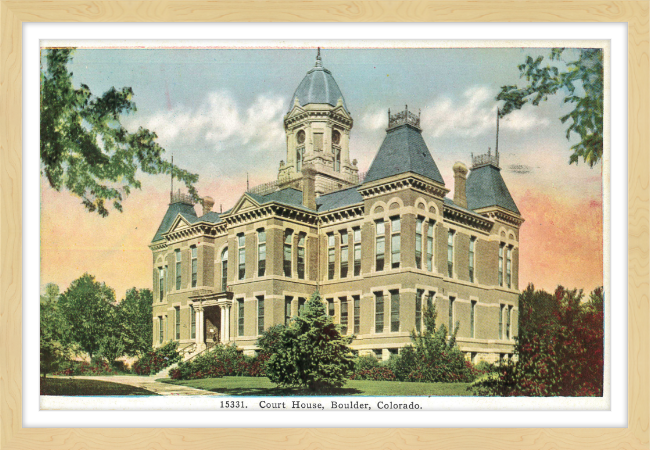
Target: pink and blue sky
(220, 113)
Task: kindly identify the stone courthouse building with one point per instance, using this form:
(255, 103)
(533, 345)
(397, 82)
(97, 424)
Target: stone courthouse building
(378, 248)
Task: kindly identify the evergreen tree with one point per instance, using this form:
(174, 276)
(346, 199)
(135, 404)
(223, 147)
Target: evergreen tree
(310, 351)
(134, 321)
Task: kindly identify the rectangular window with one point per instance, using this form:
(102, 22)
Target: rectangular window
(472, 249)
(318, 142)
(330, 307)
(331, 256)
(301, 256)
(344, 254)
(240, 317)
(357, 313)
(241, 243)
(501, 310)
(224, 271)
(261, 253)
(177, 321)
(450, 254)
(357, 251)
(178, 269)
(418, 309)
(192, 323)
(161, 283)
(430, 229)
(508, 318)
(288, 241)
(287, 309)
(344, 315)
(161, 330)
(395, 242)
(418, 242)
(472, 318)
(501, 247)
(394, 311)
(337, 159)
(430, 297)
(379, 312)
(509, 267)
(165, 288)
(195, 266)
(301, 305)
(451, 314)
(380, 245)
(260, 314)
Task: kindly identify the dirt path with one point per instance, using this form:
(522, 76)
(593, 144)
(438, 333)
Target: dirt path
(148, 383)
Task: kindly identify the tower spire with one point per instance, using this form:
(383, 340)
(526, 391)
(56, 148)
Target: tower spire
(319, 62)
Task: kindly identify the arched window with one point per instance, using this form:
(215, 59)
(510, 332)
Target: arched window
(224, 269)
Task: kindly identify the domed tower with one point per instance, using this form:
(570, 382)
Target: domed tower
(317, 128)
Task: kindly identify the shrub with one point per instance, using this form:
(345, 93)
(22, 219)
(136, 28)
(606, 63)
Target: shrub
(378, 373)
(221, 360)
(310, 351)
(433, 357)
(157, 359)
(96, 367)
(365, 362)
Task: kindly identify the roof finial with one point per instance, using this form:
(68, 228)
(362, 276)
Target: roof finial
(171, 192)
(319, 62)
(497, 146)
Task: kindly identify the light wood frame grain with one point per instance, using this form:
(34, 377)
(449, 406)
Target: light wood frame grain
(14, 13)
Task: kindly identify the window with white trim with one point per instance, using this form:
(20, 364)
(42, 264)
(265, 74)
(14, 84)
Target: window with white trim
(395, 242)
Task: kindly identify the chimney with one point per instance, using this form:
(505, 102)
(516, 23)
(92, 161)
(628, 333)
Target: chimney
(460, 180)
(208, 203)
(309, 187)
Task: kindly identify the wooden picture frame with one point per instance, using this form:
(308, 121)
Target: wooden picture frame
(14, 13)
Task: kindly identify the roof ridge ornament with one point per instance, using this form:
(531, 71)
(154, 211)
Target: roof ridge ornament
(405, 117)
(319, 61)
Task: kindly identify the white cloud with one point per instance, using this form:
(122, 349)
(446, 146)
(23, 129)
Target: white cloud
(374, 120)
(219, 122)
(474, 114)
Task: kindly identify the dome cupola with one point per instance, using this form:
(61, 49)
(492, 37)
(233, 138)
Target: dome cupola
(318, 87)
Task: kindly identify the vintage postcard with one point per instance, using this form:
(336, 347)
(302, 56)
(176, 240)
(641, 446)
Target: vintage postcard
(323, 227)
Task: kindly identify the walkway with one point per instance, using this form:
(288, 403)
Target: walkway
(148, 383)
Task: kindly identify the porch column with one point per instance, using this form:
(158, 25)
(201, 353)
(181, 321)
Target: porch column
(222, 331)
(201, 328)
(228, 323)
(197, 321)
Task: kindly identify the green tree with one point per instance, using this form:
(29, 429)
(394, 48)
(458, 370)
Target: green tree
(84, 146)
(134, 321)
(89, 308)
(581, 83)
(310, 351)
(56, 340)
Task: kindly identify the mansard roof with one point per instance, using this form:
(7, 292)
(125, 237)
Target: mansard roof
(485, 187)
(184, 209)
(403, 150)
(338, 199)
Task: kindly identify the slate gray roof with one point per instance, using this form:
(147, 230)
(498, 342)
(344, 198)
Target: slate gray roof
(318, 86)
(485, 187)
(450, 202)
(185, 210)
(403, 150)
(338, 199)
(287, 196)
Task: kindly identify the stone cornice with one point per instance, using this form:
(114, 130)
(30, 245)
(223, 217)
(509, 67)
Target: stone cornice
(341, 214)
(400, 182)
(503, 215)
(452, 214)
(318, 114)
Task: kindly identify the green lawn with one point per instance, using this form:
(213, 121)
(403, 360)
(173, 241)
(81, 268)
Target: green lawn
(262, 386)
(67, 386)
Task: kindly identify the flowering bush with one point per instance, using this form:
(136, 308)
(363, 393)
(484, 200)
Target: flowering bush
(156, 360)
(97, 367)
(222, 360)
(380, 373)
(559, 350)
